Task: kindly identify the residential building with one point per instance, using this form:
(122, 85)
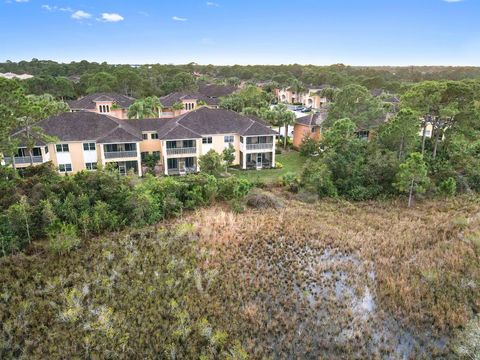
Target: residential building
(308, 126)
(112, 104)
(84, 141)
(87, 139)
(309, 98)
(190, 100)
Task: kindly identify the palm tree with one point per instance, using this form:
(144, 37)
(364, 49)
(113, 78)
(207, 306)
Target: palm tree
(284, 117)
(154, 104)
(140, 109)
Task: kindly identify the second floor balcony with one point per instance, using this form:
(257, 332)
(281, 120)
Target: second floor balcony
(181, 147)
(120, 154)
(115, 151)
(24, 160)
(182, 151)
(263, 146)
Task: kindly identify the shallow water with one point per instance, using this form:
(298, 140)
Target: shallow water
(337, 313)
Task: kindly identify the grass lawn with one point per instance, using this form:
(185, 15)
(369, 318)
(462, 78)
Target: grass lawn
(291, 161)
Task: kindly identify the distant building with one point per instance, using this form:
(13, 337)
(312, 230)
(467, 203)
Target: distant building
(10, 75)
(309, 126)
(112, 104)
(309, 98)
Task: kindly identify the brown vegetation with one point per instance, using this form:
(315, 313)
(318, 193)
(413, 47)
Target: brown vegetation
(329, 279)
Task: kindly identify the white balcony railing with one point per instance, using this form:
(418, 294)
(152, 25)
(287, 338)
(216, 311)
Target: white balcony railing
(24, 159)
(120, 154)
(182, 151)
(259, 146)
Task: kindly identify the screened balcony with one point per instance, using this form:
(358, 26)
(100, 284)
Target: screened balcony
(115, 151)
(181, 147)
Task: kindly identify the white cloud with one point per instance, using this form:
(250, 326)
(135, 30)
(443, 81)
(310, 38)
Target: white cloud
(81, 15)
(21, 1)
(212, 4)
(176, 18)
(56, 8)
(452, 1)
(112, 17)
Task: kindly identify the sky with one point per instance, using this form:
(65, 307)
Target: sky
(320, 32)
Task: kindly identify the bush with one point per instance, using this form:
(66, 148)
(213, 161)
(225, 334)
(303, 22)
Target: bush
(211, 163)
(316, 177)
(63, 239)
(278, 165)
(448, 187)
(309, 147)
(233, 188)
(291, 181)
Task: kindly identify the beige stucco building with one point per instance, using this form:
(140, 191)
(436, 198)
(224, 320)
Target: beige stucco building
(86, 140)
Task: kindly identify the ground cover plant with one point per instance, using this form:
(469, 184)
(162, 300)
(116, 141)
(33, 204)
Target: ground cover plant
(331, 279)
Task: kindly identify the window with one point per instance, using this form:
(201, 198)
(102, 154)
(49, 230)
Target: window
(143, 154)
(171, 144)
(91, 166)
(241, 139)
(89, 146)
(153, 136)
(65, 168)
(104, 108)
(207, 140)
(228, 139)
(188, 143)
(62, 148)
(172, 163)
(120, 147)
(156, 154)
(314, 129)
(46, 149)
(145, 136)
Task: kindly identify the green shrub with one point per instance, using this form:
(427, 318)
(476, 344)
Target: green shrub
(316, 177)
(309, 147)
(448, 187)
(233, 188)
(291, 181)
(278, 165)
(63, 239)
(211, 163)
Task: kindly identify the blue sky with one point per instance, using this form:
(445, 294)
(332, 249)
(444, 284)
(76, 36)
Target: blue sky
(355, 32)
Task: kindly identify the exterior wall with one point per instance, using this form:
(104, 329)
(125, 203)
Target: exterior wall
(218, 144)
(300, 131)
(76, 155)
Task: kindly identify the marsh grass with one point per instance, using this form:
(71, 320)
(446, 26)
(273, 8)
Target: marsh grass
(328, 279)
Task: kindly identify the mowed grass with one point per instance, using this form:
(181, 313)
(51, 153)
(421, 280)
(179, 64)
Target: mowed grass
(291, 161)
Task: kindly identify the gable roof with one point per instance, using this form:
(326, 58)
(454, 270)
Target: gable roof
(170, 99)
(88, 102)
(315, 119)
(87, 126)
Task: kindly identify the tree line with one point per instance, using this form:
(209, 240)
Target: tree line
(399, 156)
(69, 81)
